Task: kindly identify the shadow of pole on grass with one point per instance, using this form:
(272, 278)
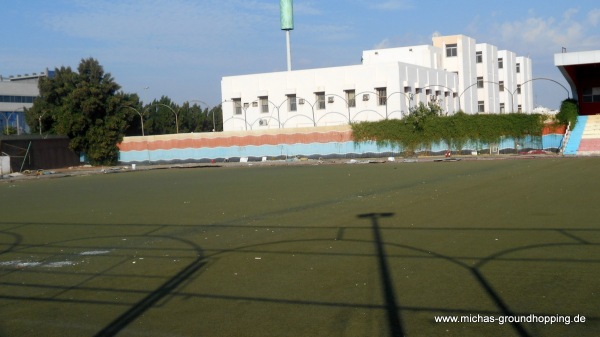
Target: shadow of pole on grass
(393, 314)
(149, 301)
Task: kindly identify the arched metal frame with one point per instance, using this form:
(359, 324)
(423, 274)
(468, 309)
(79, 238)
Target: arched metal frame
(312, 107)
(536, 79)
(452, 91)
(370, 110)
(336, 112)
(207, 111)
(7, 119)
(350, 117)
(409, 96)
(512, 98)
(134, 109)
(270, 117)
(173, 111)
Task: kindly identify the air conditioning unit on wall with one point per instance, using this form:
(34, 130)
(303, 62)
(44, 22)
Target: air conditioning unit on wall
(330, 99)
(301, 101)
(263, 122)
(365, 97)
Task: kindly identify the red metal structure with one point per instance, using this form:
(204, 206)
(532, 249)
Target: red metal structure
(582, 71)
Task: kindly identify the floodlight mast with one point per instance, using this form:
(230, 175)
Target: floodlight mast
(287, 24)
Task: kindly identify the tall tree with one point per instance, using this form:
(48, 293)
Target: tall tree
(86, 106)
(162, 117)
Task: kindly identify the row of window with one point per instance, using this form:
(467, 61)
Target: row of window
(16, 99)
(500, 85)
(591, 95)
(481, 107)
(479, 59)
(320, 102)
(293, 101)
(381, 93)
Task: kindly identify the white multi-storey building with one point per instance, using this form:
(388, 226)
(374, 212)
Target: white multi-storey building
(454, 72)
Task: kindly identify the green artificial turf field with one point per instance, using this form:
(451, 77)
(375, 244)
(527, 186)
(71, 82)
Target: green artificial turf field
(305, 250)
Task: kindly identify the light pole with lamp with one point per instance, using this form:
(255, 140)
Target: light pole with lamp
(40, 121)
(242, 107)
(141, 116)
(245, 107)
(7, 119)
(173, 111)
(207, 111)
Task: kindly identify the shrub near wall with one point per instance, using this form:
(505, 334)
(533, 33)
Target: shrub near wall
(568, 113)
(414, 131)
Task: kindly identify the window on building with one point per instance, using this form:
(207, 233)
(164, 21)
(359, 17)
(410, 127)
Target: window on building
(264, 104)
(500, 63)
(518, 68)
(16, 99)
(418, 90)
(479, 57)
(381, 96)
(320, 100)
(480, 82)
(237, 104)
(292, 103)
(501, 108)
(351, 98)
(501, 85)
(519, 109)
(591, 95)
(451, 50)
(480, 106)
(407, 90)
(518, 89)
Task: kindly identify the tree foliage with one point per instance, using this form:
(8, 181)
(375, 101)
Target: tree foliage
(86, 106)
(425, 125)
(568, 113)
(163, 116)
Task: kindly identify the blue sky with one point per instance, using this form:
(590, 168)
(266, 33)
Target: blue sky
(182, 48)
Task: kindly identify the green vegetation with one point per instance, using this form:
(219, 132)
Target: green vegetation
(303, 250)
(89, 108)
(9, 130)
(85, 106)
(568, 113)
(425, 125)
(159, 118)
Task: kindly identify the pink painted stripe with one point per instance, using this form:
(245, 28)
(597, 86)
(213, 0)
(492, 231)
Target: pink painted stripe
(589, 144)
(295, 138)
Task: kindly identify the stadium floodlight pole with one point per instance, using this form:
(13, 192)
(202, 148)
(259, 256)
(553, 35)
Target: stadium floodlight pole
(289, 50)
(287, 24)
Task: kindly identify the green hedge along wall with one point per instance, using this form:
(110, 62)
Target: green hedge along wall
(422, 130)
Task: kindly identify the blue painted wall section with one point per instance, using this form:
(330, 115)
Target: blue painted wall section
(575, 137)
